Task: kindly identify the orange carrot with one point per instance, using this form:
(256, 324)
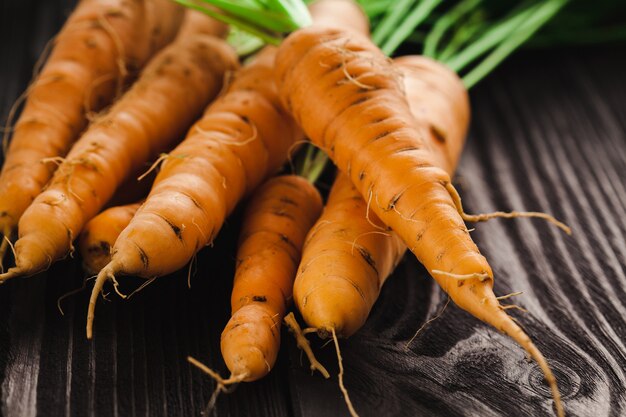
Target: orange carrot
(349, 100)
(147, 120)
(100, 44)
(243, 137)
(349, 254)
(100, 233)
(276, 221)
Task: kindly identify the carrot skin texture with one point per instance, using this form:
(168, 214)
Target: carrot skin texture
(147, 120)
(349, 254)
(275, 224)
(387, 160)
(243, 137)
(100, 233)
(83, 73)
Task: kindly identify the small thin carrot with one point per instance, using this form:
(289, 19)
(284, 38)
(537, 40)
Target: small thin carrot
(99, 47)
(242, 138)
(172, 90)
(100, 233)
(275, 223)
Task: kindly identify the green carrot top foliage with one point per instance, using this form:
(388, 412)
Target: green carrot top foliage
(470, 36)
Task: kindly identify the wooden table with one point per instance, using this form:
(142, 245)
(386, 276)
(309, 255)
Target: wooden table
(548, 134)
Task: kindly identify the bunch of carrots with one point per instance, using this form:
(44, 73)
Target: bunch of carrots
(151, 82)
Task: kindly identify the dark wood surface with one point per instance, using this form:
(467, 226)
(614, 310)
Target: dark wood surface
(548, 134)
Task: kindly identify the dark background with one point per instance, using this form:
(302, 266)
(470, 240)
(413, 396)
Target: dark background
(548, 134)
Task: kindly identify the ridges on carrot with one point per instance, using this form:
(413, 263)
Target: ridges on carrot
(242, 138)
(172, 90)
(275, 224)
(99, 48)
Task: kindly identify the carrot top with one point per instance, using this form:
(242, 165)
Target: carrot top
(470, 36)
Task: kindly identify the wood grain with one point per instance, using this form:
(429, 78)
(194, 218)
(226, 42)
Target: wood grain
(549, 134)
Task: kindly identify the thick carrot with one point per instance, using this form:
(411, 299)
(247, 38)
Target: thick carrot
(276, 221)
(349, 254)
(101, 42)
(100, 233)
(147, 120)
(243, 137)
(349, 100)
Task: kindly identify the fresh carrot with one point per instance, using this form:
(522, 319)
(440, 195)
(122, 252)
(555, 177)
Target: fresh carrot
(173, 89)
(91, 58)
(100, 233)
(275, 224)
(349, 253)
(349, 100)
(243, 137)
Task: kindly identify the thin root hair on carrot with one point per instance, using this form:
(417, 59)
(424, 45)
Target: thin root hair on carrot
(515, 306)
(255, 135)
(423, 326)
(513, 294)
(154, 165)
(461, 277)
(367, 212)
(501, 214)
(342, 387)
(72, 292)
(222, 385)
(191, 270)
(6, 243)
(106, 274)
(304, 345)
(373, 232)
(141, 287)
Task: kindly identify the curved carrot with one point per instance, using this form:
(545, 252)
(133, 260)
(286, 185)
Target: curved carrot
(98, 45)
(243, 137)
(276, 221)
(148, 119)
(100, 233)
(349, 100)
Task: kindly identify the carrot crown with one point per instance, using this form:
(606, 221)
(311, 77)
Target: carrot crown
(265, 19)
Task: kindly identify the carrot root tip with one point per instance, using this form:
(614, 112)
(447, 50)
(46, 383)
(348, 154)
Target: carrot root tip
(223, 385)
(108, 272)
(304, 345)
(342, 387)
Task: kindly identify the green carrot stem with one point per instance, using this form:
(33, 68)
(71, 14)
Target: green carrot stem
(444, 23)
(265, 36)
(408, 25)
(546, 11)
(390, 21)
(492, 37)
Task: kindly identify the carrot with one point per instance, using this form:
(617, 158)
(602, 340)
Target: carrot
(147, 120)
(276, 221)
(243, 137)
(349, 254)
(101, 42)
(349, 100)
(100, 233)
